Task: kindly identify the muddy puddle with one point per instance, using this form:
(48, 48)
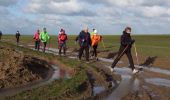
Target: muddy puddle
(154, 69)
(98, 89)
(55, 74)
(59, 74)
(127, 84)
(158, 81)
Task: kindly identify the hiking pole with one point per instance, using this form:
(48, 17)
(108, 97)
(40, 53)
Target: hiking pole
(136, 54)
(123, 51)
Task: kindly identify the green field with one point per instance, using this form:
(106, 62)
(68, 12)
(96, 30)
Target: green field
(147, 45)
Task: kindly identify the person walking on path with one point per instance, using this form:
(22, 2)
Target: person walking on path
(44, 37)
(62, 38)
(95, 40)
(37, 39)
(17, 35)
(0, 35)
(85, 42)
(125, 48)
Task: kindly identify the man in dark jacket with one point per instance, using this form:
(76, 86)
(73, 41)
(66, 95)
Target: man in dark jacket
(0, 35)
(85, 42)
(17, 35)
(125, 48)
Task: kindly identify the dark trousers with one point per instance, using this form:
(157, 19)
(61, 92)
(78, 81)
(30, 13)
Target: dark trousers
(95, 50)
(37, 45)
(17, 39)
(62, 46)
(81, 50)
(120, 54)
(45, 44)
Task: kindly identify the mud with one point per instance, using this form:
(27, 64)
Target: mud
(18, 69)
(111, 55)
(149, 61)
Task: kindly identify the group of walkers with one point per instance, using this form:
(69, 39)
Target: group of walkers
(86, 41)
(41, 37)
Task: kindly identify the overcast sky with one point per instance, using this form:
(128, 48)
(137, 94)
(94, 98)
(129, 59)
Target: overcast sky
(107, 16)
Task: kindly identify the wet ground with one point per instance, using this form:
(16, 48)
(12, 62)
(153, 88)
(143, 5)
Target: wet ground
(150, 84)
(132, 83)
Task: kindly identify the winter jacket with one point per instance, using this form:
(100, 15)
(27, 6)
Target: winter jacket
(37, 36)
(95, 39)
(62, 38)
(84, 39)
(17, 35)
(44, 37)
(126, 39)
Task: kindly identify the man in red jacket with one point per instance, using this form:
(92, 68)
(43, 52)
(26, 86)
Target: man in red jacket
(62, 38)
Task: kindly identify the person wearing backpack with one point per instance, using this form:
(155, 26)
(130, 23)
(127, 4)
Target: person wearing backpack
(0, 35)
(17, 35)
(37, 39)
(95, 40)
(44, 37)
(62, 38)
(125, 48)
(85, 42)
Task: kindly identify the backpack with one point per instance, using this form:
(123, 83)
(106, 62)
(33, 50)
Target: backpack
(96, 39)
(63, 37)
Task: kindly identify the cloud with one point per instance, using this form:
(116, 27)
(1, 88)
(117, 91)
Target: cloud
(8, 2)
(66, 7)
(108, 16)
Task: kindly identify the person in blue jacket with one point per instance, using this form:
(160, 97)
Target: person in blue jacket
(84, 40)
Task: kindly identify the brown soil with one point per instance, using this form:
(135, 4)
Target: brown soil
(17, 69)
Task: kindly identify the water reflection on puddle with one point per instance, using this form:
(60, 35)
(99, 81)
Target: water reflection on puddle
(158, 81)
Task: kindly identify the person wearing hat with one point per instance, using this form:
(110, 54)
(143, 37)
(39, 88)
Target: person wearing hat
(95, 40)
(44, 37)
(125, 48)
(17, 35)
(62, 38)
